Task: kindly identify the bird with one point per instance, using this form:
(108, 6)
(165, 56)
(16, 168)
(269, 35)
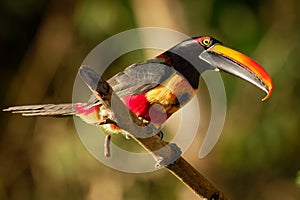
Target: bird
(156, 88)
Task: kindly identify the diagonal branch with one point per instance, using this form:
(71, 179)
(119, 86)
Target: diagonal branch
(166, 154)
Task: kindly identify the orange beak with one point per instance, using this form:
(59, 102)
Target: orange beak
(240, 65)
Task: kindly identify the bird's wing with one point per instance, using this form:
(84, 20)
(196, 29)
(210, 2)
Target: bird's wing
(140, 78)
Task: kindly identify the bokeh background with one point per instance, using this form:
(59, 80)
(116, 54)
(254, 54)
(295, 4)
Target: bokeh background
(42, 44)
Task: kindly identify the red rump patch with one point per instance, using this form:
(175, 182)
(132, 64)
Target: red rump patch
(81, 108)
(138, 104)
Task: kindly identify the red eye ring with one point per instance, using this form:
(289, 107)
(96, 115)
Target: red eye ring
(206, 41)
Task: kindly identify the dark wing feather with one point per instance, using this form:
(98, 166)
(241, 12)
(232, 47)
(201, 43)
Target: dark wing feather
(140, 78)
(135, 79)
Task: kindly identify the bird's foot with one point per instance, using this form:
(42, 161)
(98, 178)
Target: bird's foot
(105, 115)
(160, 135)
(144, 120)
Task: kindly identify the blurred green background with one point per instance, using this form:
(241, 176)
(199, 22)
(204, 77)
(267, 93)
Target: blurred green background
(43, 43)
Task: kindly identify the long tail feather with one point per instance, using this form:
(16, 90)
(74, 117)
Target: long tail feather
(43, 110)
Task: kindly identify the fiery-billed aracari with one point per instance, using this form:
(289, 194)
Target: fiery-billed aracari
(156, 88)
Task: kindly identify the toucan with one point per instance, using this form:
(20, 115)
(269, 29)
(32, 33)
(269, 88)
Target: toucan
(156, 88)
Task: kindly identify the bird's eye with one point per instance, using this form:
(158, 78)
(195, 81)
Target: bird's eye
(206, 41)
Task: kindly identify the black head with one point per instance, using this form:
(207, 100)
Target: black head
(193, 56)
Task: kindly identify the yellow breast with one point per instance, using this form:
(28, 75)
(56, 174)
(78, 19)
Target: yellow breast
(172, 93)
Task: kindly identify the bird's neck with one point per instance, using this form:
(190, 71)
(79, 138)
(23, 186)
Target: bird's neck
(183, 67)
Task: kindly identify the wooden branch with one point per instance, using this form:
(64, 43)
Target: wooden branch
(194, 180)
(166, 154)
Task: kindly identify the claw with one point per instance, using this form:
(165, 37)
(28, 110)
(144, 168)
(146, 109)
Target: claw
(143, 120)
(160, 135)
(127, 136)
